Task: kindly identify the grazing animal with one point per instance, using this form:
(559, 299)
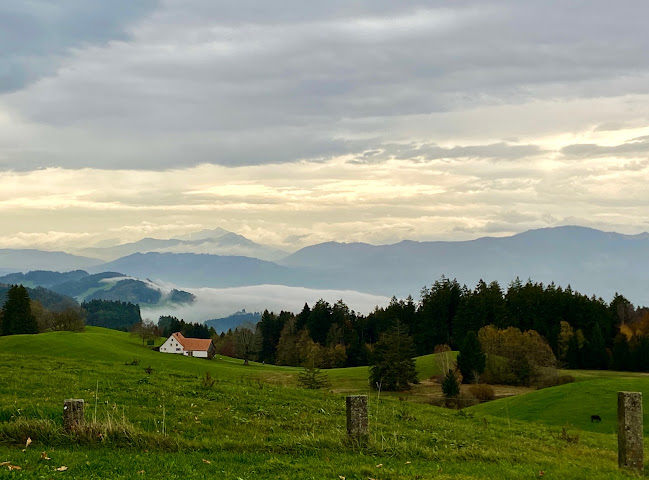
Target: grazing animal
(595, 418)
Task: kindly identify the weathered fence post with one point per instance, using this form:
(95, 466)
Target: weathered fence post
(629, 430)
(357, 426)
(72, 413)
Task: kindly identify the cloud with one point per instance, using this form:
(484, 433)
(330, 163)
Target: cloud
(426, 152)
(36, 36)
(356, 121)
(632, 148)
(197, 82)
(216, 303)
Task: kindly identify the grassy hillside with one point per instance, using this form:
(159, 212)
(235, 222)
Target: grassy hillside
(572, 405)
(251, 423)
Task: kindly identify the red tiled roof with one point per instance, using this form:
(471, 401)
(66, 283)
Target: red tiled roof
(193, 344)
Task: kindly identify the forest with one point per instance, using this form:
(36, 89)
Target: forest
(582, 332)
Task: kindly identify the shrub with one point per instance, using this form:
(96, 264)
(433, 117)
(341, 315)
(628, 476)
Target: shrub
(208, 380)
(463, 400)
(568, 437)
(482, 392)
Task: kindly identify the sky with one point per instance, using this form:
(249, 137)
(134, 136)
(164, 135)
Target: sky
(297, 122)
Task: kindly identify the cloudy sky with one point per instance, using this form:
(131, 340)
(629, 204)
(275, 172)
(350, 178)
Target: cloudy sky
(294, 122)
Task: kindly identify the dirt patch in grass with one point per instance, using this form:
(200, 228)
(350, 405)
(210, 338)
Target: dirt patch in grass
(429, 390)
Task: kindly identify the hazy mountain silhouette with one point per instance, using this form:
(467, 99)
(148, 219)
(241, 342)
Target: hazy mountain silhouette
(23, 260)
(215, 242)
(591, 261)
(196, 270)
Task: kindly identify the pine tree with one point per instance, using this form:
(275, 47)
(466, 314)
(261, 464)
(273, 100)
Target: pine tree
(17, 317)
(450, 385)
(393, 367)
(598, 358)
(312, 378)
(572, 354)
(621, 353)
(471, 360)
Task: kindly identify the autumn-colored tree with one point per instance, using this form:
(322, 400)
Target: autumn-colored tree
(526, 355)
(566, 332)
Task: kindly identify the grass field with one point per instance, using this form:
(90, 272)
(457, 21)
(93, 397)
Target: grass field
(571, 405)
(254, 423)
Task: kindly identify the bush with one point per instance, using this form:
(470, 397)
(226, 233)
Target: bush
(463, 400)
(207, 381)
(482, 392)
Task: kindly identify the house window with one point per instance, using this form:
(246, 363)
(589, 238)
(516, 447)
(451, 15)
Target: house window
(178, 349)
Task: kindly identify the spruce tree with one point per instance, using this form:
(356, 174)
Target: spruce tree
(393, 366)
(621, 353)
(471, 360)
(450, 385)
(598, 358)
(17, 316)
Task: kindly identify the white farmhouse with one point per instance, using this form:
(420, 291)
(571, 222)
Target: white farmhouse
(191, 347)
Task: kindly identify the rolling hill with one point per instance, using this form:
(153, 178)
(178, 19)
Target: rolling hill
(160, 416)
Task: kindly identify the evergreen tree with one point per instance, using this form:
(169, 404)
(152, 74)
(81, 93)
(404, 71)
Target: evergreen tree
(641, 354)
(471, 360)
(621, 353)
(17, 317)
(597, 356)
(312, 378)
(450, 385)
(393, 367)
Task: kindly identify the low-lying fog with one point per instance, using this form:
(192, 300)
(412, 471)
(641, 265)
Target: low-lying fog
(220, 302)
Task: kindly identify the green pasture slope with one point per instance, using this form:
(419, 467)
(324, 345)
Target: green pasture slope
(354, 379)
(251, 423)
(571, 405)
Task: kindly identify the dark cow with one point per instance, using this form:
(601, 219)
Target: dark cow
(595, 418)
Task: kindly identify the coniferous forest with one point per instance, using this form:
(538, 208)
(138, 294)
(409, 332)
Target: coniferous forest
(582, 332)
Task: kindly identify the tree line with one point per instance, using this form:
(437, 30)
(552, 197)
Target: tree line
(22, 315)
(581, 331)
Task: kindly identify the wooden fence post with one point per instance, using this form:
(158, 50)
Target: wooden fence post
(629, 431)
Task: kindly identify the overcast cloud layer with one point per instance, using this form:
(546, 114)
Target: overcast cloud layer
(297, 122)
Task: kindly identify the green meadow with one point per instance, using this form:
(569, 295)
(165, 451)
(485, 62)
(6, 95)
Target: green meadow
(153, 415)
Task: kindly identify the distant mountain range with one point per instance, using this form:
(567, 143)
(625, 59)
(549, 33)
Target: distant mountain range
(24, 260)
(591, 261)
(81, 286)
(214, 242)
(233, 321)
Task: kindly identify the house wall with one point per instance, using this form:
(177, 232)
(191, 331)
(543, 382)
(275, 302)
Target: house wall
(171, 345)
(200, 354)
